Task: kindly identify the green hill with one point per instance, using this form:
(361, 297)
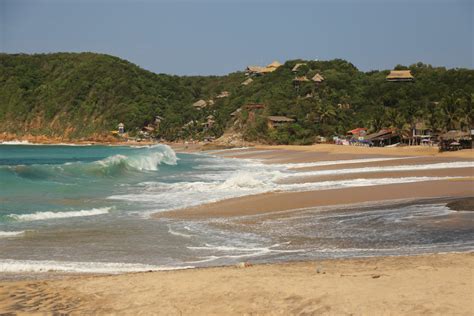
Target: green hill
(83, 95)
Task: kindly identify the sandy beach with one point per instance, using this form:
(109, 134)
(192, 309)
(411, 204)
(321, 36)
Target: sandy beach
(418, 285)
(434, 284)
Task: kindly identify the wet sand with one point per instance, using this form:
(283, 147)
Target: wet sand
(416, 285)
(277, 202)
(281, 201)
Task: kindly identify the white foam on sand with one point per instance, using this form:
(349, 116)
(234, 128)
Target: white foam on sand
(11, 234)
(38, 216)
(434, 166)
(15, 266)
(338, 162)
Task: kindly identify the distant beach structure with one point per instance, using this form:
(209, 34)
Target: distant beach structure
(400, 76)
(121, 128)
(275, 121)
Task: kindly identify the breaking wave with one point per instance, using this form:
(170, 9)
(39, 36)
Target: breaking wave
(149, 160)
(136, 160)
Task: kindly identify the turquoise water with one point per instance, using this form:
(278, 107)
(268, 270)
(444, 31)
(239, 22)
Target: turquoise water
(58, 179)
(87, 209)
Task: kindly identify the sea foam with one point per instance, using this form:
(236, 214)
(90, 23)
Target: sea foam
(15, 266)
(11, 234)
(38, 216)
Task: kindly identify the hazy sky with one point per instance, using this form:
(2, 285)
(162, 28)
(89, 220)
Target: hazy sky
(217, 37)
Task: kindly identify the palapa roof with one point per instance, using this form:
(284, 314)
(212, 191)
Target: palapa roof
(382, 134)
(295, 68)
(357, 130)
(301, 79)
(421, 126)
(274, 64)
(317, 78)
(280, 119)
(256, 69)
(200, 104)
(247, 82)
(121, 125)
(400, 75)
(455, 135)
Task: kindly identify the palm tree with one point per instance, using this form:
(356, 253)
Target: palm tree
(466, 115)
(396, 121)
(450, 110)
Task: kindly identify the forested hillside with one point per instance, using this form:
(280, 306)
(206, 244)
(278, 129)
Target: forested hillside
(82, 95)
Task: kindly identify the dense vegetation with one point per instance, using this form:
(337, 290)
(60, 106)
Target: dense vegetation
(80, 95)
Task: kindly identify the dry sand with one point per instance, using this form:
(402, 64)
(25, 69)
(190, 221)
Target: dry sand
(418, 285)
(360, 150)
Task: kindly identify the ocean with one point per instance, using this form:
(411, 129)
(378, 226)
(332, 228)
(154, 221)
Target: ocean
(87, 209)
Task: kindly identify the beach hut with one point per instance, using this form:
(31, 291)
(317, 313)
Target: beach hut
(318, 79)
(382, 138)
(455, 139)
(254, 71)
(275, 121)
(298, 81)
(421, 134)
(274, 65)
(121, 128)
(400, 76)
(199, 104)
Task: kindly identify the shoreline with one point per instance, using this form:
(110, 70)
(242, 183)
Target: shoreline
(398, 284)
(181, 147)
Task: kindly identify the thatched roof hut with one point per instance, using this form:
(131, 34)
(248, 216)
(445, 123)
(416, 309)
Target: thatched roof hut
(254, 69)
(275, 64)
(318, 78)
(275, 121)
(301, 79)
(399, 75)
(456, 135)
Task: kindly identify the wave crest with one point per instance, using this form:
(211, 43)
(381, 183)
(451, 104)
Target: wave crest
(146, 159)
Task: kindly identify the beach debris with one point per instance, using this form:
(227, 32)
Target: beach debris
(244, 265)
(375, 276)
(319, 270)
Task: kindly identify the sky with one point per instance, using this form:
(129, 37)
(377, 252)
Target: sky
(203, 37)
